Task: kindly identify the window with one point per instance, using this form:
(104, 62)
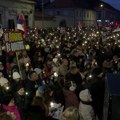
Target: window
(66, 13)
(11, 24)
(50, 13)
(58, 12)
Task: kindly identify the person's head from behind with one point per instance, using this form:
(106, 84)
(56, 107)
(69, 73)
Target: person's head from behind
(65, 61)
(74, 70)
(70, 113)
(37, 101)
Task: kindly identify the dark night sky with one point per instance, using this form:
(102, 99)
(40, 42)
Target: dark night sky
(114, 3)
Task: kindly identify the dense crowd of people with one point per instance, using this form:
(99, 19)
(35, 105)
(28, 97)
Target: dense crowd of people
(60, 75)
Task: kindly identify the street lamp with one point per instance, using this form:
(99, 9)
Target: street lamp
(101, 5)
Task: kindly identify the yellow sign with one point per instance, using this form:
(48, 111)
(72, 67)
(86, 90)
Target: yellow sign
(14, 41)
(15, 36)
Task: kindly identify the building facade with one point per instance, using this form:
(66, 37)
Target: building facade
(11, 9)
(71, 12)
(73, 15)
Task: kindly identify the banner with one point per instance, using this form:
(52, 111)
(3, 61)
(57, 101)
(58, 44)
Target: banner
(14, 41)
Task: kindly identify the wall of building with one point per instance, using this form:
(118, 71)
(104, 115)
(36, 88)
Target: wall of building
(85, 16)
(72, 16)
(69, 20)
(44, 24)
(10, 10)
(54, 22)
(60, 11)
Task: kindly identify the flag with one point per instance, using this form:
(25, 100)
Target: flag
(80, 25)
(21, 25)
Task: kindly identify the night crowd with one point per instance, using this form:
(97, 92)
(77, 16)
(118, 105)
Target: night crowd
(60, 75)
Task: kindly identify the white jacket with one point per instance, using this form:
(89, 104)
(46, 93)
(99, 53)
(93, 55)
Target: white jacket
(86, 111)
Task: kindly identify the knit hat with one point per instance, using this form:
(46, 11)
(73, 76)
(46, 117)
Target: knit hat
(3, 81)
(85, 95)
(37, 70)
(16, 75)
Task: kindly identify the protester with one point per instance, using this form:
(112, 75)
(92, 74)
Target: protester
(65, 62)
(85, 107)
(69, 94)
(32, 84)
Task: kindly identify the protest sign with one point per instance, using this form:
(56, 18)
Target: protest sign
(14, 41)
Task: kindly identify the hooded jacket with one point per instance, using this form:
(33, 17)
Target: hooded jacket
(85, 108)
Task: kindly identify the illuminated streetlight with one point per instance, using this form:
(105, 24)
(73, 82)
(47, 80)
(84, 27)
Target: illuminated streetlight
(101, 6)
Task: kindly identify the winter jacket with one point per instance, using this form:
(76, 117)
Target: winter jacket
(14, 110)
(86, 112)
(20, 103)
(30, 88)
(70, 99)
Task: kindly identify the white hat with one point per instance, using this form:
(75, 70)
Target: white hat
(55, 60)
(16, 75)
(37, 70)
(3, 81)
(85, 95)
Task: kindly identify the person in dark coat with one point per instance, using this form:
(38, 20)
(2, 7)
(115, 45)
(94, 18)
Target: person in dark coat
(75, 76)
(19, 98)
(97, 91)
(3, 70)
(6, 90)
(32, 84)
